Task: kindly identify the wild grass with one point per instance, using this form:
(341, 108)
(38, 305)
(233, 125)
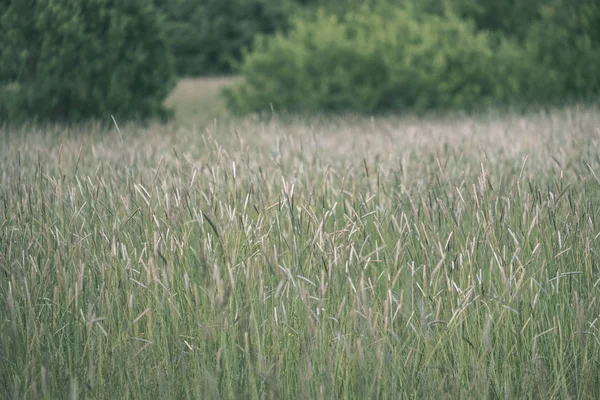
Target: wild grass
(338, 258)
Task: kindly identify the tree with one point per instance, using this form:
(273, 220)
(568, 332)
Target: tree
(509, 18)
(207, 36)
(565, 47)
(65, 60)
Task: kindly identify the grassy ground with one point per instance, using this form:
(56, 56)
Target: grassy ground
(354, 258)
(196, 101)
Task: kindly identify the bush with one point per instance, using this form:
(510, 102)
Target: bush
(207, 36)
(369, 61)
(72, 60)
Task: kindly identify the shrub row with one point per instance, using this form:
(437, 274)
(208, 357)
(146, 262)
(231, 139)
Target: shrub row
(72, 60)
(399, 58)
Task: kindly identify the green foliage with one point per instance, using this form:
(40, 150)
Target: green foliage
(409, 55)
(72, 60)
(565, 48)
(510, 18)
(207, 36)
(559, 43)
(369, 61)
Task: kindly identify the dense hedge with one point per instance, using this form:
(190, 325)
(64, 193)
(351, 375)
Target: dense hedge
(423, 56)
(72, 60)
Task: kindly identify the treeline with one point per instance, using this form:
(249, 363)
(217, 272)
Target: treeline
(207, 37)
(426, 55)
(72, 60)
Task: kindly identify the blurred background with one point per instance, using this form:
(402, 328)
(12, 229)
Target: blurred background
(72, 60)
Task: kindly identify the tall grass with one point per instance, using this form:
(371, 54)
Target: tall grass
(356, 258)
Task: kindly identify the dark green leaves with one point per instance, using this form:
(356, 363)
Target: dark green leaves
(69, 60)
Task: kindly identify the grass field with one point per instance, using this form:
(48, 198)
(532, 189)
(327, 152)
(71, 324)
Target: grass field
(196, 101)
(325, 258)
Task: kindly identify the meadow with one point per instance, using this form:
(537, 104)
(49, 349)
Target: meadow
(313, 258)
